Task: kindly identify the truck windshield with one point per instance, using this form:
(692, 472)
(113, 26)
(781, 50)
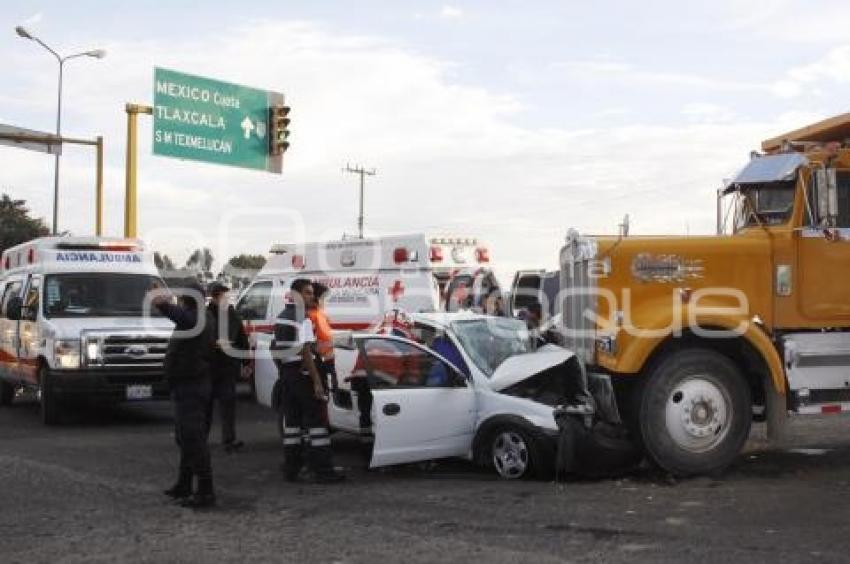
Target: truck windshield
(96, 294)
(764, 204)
(492, 340)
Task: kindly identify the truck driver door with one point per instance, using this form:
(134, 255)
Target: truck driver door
(423, 407)
(824, 253)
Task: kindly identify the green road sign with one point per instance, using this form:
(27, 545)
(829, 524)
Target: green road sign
(201, 119)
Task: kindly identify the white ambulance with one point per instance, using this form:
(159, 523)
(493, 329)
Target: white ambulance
(72, 323)
(367, 278)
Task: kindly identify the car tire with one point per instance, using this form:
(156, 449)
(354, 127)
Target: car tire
(49, 402)
(695, 412)
(513, 452)
(7, 393)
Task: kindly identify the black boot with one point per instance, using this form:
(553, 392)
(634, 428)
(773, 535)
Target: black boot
(204, 497)
(183, 488)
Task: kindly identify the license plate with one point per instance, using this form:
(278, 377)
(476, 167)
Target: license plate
(140, 392)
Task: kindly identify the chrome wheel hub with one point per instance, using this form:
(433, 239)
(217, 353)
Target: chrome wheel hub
(697, 414)
(510, 455)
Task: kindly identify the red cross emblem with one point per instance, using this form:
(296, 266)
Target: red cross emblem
(396, 291)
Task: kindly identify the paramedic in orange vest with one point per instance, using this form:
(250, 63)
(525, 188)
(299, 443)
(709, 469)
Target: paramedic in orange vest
(324, 338)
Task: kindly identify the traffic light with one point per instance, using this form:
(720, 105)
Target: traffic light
(279, 133)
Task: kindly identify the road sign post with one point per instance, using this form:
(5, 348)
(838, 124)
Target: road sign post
(208, 120)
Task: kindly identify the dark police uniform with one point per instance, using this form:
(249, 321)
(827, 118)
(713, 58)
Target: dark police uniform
(304, 427)
(187, 369)
(225, 369)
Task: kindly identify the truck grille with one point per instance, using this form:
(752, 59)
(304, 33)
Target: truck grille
(577, 303)
(129, 350)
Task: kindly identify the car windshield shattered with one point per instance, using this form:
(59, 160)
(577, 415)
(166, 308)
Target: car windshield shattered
(96, 294)
(490, 341)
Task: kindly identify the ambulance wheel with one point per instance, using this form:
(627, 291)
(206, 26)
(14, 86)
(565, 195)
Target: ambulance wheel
(695, 412)
(513, 452)
(7, 393)
(49, 403)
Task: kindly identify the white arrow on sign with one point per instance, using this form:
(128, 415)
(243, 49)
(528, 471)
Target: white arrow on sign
(247, 126)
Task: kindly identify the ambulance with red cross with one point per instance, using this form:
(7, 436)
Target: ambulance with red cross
(73, 326)
(367, 278)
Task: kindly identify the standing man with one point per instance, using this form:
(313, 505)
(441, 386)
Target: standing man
(303, 393)
(226, 366)
(187, 369)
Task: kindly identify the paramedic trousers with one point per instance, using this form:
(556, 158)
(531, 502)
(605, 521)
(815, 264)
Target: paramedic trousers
(305, 435)
(191, 401)
(224, 392)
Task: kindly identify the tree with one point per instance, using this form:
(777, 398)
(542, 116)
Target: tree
(248, 262)
(201, 258)
(16, 225)
(163, 262)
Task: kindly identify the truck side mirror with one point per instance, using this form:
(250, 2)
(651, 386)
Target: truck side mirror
(827, 196)
(13, 308)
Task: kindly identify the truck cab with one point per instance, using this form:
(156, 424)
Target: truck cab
(73, 326)
(702, 334)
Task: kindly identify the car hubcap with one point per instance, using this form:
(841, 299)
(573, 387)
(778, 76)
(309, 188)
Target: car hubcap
(697, 414)
(510, 455)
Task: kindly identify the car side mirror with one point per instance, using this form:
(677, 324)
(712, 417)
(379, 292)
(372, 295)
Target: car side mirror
(458, 379)
(344, 339)
(14, 308)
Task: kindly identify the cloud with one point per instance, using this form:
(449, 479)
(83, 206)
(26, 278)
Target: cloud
(451, 157)
(33, 19)
(451, 12)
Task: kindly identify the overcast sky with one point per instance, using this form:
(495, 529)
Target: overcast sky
(512, 121)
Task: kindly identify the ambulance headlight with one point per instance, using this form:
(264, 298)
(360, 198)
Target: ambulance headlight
(67, 353)
(92, 350)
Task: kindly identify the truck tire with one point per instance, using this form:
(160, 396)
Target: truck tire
(49, 403)
(7, 393)
(695, 412)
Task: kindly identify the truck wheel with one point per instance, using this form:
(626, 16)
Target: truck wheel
(513, 452)
(695, 412)
(7, 393)
(49, 403)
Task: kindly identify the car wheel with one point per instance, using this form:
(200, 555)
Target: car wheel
(49, 403)
(512, 453)
(7, 393)
(695, 412)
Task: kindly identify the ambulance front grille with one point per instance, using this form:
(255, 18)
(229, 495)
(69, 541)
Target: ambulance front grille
(577, 298)
(134, 351)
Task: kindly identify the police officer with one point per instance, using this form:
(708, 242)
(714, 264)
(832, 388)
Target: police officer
(187, 369)
(230, 340)
(303, 392)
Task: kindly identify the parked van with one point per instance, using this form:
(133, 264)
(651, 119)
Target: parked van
(72, 325)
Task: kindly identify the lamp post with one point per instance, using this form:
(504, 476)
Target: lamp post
(95, 53)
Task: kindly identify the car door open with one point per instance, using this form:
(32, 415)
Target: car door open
(423, 407)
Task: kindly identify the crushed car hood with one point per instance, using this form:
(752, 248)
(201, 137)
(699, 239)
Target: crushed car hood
(524, 366)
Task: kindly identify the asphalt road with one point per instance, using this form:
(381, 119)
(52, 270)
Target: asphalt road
(90, 491)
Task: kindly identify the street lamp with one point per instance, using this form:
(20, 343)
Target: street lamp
(94, 53)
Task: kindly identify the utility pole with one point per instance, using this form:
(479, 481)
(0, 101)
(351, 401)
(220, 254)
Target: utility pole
(362, 172)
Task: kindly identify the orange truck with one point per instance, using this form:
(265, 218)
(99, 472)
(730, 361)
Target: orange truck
(702, 335)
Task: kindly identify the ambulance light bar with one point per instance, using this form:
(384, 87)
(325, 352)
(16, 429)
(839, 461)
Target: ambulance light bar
(101, 246)
(279, 249)
(453, 241)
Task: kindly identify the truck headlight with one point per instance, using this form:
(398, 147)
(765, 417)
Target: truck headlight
(67, 353)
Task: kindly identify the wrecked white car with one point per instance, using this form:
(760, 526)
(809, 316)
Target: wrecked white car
(456, 385)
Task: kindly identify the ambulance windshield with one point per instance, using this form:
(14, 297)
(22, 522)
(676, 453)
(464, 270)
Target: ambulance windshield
(96, 294)
(492, 340)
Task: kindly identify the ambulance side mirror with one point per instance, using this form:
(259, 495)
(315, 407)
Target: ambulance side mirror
(344, 340)
(14, 307)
